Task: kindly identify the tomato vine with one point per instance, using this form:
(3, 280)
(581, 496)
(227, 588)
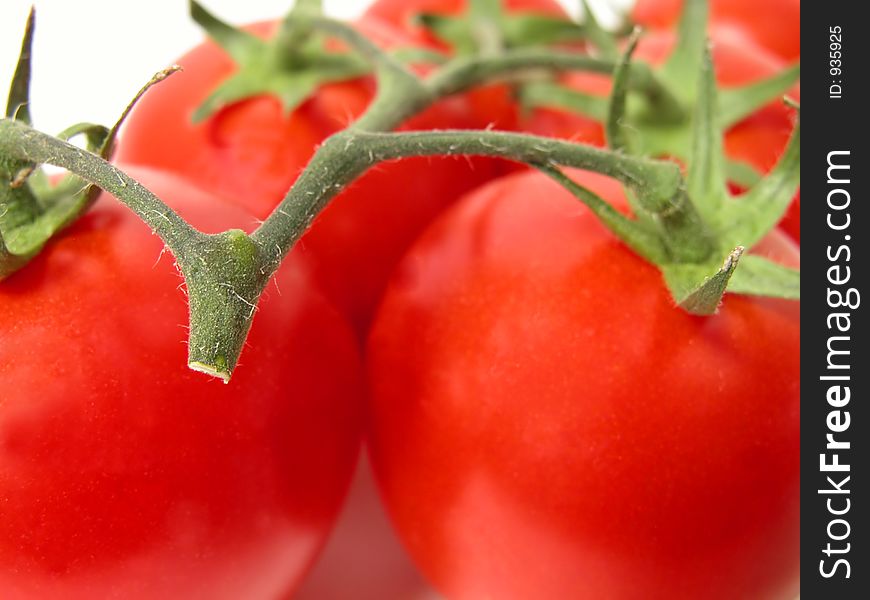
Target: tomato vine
(680, 223)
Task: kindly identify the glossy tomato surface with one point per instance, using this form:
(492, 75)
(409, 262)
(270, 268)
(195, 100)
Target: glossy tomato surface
(123, 474)
(546, 424)
(773, 24)
(251, 152)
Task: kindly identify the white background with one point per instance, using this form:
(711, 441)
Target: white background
(91, 56)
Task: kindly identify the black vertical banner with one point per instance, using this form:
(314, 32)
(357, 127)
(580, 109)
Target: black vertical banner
(835, 424)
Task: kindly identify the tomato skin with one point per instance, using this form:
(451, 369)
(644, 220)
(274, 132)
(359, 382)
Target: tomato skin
(123, 474)
(774, 24)
(563, 431)
(251, 153)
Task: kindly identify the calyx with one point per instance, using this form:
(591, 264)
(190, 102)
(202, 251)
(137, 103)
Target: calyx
(290, 66)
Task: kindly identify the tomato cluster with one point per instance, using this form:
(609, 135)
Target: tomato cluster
(542, 421)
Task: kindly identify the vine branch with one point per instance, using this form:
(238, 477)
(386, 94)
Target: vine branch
(226, 273)
(348, 154)
(22, 142)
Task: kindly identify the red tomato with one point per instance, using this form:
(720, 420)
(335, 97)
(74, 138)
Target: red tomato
(123, 474)
(758, 140)
(561, 430)
(772, 24)
(251, 153)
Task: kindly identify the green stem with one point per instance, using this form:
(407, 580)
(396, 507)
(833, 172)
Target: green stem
(615, 123)
(348, 154)
(223, 272)
(22, 142)
(659, 185)
(465, 73)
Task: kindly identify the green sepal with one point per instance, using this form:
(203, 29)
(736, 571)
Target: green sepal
(749, 217)
(739, 223)
(682, 68)
(698, 289)
(19, 206)
(736, 103)
(614, 126)
(294, 36)
(486, 25)
(701, 221)
(239, 44)
(453, 31)
(263, 76)
(486, 28)
(706, 172)
(618, 135)
(18, 103)
(640, 235)
(758, 276)
(291, 67)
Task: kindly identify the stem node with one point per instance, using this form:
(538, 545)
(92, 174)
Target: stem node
(224, 283)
